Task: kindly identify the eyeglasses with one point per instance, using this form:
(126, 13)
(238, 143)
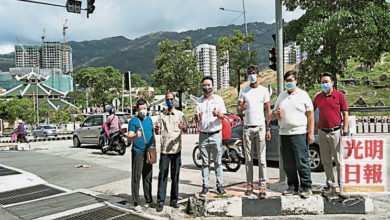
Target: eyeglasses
(171, 99)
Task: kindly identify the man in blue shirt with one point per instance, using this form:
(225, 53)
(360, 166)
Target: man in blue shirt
(138, 159)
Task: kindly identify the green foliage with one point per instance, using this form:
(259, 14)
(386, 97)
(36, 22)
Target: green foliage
(333, 31)
(77, 98)
(80, 118)
(235, 46)
(60, 117)
(99, 80)
(17, 108)
(176, 68)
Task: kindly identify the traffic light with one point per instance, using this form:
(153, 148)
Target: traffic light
(272, 59)
(73, 6)
(90, 7)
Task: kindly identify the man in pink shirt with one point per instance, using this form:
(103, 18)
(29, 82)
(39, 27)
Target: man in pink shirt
(333, 111)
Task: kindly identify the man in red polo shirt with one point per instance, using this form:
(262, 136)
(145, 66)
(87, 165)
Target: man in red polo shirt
(333, 111)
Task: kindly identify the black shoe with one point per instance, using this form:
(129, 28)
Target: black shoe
(221, 190)
(160, 207)
(204, 192)
(174, 205)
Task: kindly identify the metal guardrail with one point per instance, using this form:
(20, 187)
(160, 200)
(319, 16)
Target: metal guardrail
(370, 109)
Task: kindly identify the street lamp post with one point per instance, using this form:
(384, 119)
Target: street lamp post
(131, 100)
(244, 13)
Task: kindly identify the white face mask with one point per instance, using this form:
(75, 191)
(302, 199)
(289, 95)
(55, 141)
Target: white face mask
(143, 113)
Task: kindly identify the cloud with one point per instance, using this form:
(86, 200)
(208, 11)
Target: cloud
(124, 18)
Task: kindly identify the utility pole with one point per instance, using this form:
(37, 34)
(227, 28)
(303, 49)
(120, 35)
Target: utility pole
(131, 100)
(279, 68)
(37, 105)
(246, 27)
(64, 27)
(123, 89)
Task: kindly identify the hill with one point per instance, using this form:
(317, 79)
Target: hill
(354, 86)
(138, 54)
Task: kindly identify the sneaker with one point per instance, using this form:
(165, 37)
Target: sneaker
(262, 193)
(249, 190)
(138, 209)
(306, 192)
(105, 147)
(204, 192)
(160, 207)
(150, 205)
(289, 192)
(221, 190)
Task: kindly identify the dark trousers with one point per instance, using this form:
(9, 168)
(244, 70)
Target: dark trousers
(295, 155)
(140, 167)
(175, 161)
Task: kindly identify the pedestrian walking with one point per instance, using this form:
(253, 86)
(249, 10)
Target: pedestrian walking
(209, 111)
(294, 111)
(171, 123)
(253, 99)
(333, 123)
(141, 131)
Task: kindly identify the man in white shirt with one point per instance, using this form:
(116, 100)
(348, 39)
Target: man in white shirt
(294, 111)
(209, 111)
(253, 99)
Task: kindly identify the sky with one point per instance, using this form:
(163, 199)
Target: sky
(128, 18)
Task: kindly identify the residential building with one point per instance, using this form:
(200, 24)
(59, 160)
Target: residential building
(293, 54)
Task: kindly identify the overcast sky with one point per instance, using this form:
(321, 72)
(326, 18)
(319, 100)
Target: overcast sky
(129, 18)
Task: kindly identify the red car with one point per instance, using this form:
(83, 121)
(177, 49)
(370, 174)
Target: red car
(233, 119)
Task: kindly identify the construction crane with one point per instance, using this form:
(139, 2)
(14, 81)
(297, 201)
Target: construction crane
(64, 27)
(43, 34)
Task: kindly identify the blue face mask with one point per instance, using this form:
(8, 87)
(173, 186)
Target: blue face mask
(326, 87)
(252, 78)
(169, 104)
(289, 85)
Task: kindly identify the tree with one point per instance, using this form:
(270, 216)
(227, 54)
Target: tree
(233, 49)
(77, 98)
(60, 116)
(176, 68)
(99, 80)
(334, 31)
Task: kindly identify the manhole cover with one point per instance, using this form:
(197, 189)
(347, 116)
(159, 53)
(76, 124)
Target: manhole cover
(5, 171)
(27, 194)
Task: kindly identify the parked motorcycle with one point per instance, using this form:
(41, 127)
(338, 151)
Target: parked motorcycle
(117, 142)
(232, 154)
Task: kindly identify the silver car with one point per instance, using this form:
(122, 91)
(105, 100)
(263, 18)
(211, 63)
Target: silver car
(44, 131)
(90, 130)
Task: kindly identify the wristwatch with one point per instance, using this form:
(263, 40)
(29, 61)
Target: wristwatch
(345, 133)
(268, 128)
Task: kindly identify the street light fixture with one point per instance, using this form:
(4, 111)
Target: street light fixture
(243, 12)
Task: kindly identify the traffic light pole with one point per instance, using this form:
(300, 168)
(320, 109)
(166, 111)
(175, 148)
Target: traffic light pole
(279, 69)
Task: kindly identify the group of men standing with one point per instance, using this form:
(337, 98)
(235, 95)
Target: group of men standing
(294, 111)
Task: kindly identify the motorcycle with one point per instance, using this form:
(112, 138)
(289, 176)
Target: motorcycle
(232, 154)
(117, 142)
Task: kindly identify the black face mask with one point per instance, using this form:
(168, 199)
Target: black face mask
(207, 90)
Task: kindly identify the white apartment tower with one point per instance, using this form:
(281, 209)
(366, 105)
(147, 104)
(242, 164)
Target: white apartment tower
(293, 54)
(27, 56)
(208, 62)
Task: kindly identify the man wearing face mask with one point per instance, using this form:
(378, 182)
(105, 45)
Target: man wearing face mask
(139, 167)
(170, 124)
(253, 99)
(209, 111)
(333, 110)
(294, 111)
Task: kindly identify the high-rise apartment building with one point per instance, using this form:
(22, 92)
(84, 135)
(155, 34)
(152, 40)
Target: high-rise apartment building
(293, 54)
(208, 64)
(50, 55)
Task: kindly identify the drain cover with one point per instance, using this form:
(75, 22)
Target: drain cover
(27, 194)
(49, 206)
(5, 171)
(104, 212)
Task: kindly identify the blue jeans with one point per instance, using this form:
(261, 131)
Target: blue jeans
(175, 162)
(295, 155)
(106, 137)
(206, 144)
